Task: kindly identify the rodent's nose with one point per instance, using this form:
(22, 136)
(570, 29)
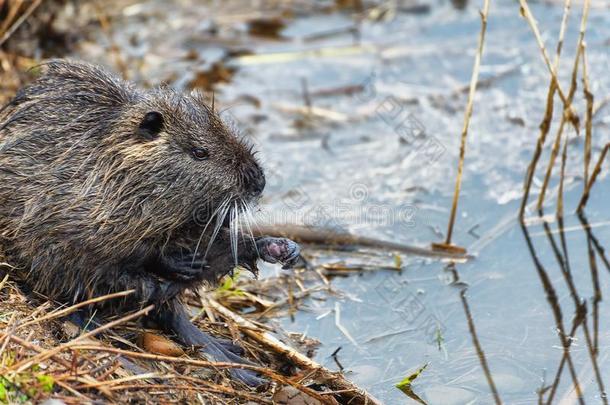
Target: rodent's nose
(254, 181)
(260, 184)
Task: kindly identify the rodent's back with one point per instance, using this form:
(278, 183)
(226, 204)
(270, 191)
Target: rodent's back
(50, 137)
(71, 108)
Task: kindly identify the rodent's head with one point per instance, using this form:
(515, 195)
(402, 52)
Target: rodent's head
(195, 161)
(131, 165)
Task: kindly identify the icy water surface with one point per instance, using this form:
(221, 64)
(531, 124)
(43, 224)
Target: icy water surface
(361, 132)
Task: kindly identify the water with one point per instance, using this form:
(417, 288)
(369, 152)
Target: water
(381, 162)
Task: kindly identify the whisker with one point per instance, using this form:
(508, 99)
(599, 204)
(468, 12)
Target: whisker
(204, 229)
(248, 216)
(219, 221)
(254, 221)
(240, 228)
(215, 213)
(234, 231)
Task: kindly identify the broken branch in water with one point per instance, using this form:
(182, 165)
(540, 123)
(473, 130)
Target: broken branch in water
(332, 237)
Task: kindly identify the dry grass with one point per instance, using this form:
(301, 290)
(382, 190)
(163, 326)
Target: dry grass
(568, 116)
(13, 14)
(40, 356)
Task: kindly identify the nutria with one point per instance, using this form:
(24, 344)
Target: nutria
(105, 187)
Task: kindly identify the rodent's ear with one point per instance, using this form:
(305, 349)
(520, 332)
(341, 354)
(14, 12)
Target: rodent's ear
(151, 125)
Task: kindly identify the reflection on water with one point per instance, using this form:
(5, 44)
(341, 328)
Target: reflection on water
(522, 323)
(360, 132)
(576, 320)
(582, 318)
(475, 340)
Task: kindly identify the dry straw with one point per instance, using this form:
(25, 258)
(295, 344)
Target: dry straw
(467, 114)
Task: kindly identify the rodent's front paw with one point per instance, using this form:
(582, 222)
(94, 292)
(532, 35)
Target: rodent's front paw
(279, 250)
(186, 268)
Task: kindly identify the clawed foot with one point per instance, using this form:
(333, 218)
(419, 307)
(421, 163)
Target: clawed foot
(229, 346)
(224, 350)
(221, 350)
(279, 250)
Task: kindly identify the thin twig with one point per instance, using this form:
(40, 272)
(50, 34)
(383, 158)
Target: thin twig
(527, 14)
(3, 282)
(19, 367)
(559, 211)
(468, 113)
(567, 115)
(20, 21)
(11, 14)
(596, 171)
(10, 330)
(545, 125)
(589, 111)
(73, 308)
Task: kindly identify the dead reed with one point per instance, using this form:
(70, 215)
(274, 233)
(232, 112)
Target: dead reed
(568, 115)
(464, 134)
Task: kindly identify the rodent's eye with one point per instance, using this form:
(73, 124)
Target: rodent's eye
(200, 153)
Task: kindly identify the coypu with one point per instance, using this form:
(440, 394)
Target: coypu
(105, 187)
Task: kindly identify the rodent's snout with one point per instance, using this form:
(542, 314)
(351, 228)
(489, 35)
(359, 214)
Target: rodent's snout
(254, 181)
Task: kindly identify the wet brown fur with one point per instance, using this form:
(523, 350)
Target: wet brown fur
(85, 200)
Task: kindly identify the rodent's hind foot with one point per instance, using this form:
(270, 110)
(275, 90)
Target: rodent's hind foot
(229, 346)
(279, 250)
(224, 351)
(177, 321)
